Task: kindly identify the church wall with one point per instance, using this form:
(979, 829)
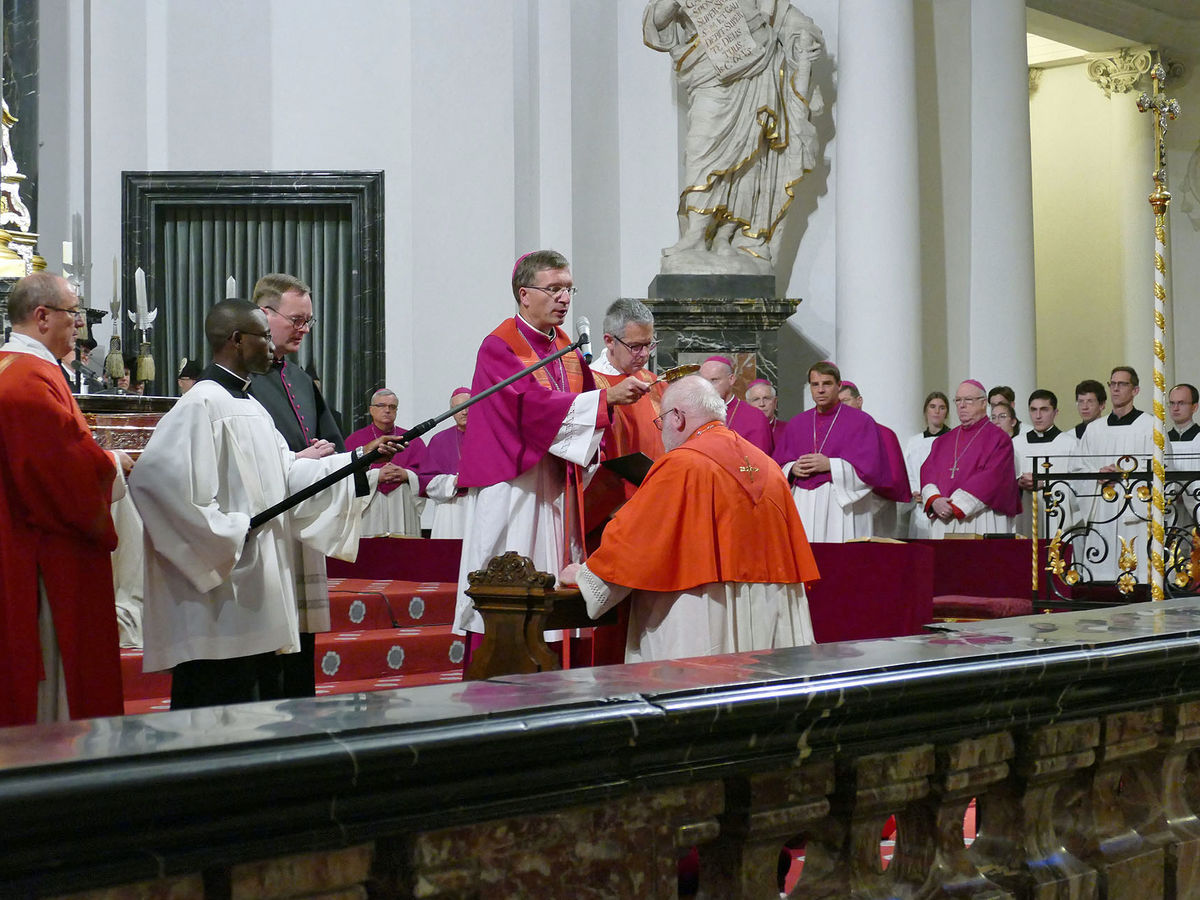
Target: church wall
(1092, 241)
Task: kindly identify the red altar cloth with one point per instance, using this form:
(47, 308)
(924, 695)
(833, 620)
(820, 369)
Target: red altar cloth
(871, 590)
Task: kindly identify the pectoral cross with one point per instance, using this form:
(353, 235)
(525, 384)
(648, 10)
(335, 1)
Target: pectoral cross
(954, 469)
(748, 468)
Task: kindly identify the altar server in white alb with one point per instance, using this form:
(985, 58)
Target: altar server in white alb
(1124, 432)
(1051, 447)
(220, 600)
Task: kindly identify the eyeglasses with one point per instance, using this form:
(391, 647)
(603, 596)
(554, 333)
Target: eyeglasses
(392, 406)
(553, 291)
(998, 416)
(659, 421)
(74, 311)
(298, 322)
(635, 349)
(265, 335)
(961, 400)
(1117, 384)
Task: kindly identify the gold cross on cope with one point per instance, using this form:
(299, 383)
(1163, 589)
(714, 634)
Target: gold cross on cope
(748, 468)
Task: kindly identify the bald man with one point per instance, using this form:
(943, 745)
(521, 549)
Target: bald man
(696, 586)
(58, 627)
(740, 416)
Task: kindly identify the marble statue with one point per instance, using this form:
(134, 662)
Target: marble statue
(746, 67)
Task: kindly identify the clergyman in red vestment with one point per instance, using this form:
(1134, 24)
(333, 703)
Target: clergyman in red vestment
(59, 654)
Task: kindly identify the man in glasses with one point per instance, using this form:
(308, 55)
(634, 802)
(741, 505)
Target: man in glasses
(58, 625)
(628, 343)
(968, 481)
(396, 507)
(524, 453)
(680, 549)
(1124, 432)
(286, 390)
(307, 424)
(221, 602)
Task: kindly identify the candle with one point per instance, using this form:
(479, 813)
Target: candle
(139, 288)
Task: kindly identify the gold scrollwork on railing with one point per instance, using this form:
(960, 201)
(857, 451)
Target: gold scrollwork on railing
(1128, 564)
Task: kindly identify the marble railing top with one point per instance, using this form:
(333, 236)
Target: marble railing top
(815, 676)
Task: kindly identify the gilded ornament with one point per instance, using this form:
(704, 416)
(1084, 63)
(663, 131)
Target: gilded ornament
(1126, 584)
(1109, 492)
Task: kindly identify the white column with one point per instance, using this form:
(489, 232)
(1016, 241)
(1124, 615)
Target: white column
(1001, 309)
(878, 228)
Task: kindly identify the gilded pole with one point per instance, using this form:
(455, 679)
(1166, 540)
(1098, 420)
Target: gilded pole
(1163, 109)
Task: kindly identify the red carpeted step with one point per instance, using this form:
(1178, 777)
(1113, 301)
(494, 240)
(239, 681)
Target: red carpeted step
(392, 682)
(360, 603)
(354, 655)
(139, 685)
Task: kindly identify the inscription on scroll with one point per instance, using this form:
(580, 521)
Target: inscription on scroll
(723, 31)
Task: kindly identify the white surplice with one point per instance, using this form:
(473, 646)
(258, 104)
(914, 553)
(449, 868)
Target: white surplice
(1058, 453)
(916, 451)
(212, 591)
(526, 514)
(842, 509)
(732, 617)
(1104, 444)
(449, 507)
(396, 512)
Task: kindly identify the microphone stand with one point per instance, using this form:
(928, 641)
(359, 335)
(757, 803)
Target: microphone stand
(367, 459)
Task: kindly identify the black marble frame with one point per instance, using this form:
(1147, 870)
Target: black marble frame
(144, 195)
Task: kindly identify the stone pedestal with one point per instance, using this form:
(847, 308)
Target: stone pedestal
(746, 329)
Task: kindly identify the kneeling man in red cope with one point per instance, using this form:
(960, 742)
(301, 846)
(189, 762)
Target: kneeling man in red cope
(681, 548)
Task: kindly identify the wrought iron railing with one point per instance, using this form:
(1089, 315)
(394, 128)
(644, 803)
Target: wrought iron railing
(1098, 527)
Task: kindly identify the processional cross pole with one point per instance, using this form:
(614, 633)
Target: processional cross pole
(1163, 110)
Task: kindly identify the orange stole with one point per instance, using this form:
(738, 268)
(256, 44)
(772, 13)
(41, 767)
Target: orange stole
(633, 427)
(572, 362)
(632, 430)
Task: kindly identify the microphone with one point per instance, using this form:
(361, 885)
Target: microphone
(584, 329)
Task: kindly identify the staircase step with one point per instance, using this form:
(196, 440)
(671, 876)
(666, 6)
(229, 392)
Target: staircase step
(387, 652)
(360, 603)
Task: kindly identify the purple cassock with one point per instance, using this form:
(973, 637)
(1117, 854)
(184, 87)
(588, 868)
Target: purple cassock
(512, 430)
(442, 457)
(978, 459)
(845, 433)
(750, 422)
(777, 429)
(411, 457)
(898, 487)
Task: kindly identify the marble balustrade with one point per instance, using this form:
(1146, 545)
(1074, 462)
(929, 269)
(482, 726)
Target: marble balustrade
(1077, 734)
